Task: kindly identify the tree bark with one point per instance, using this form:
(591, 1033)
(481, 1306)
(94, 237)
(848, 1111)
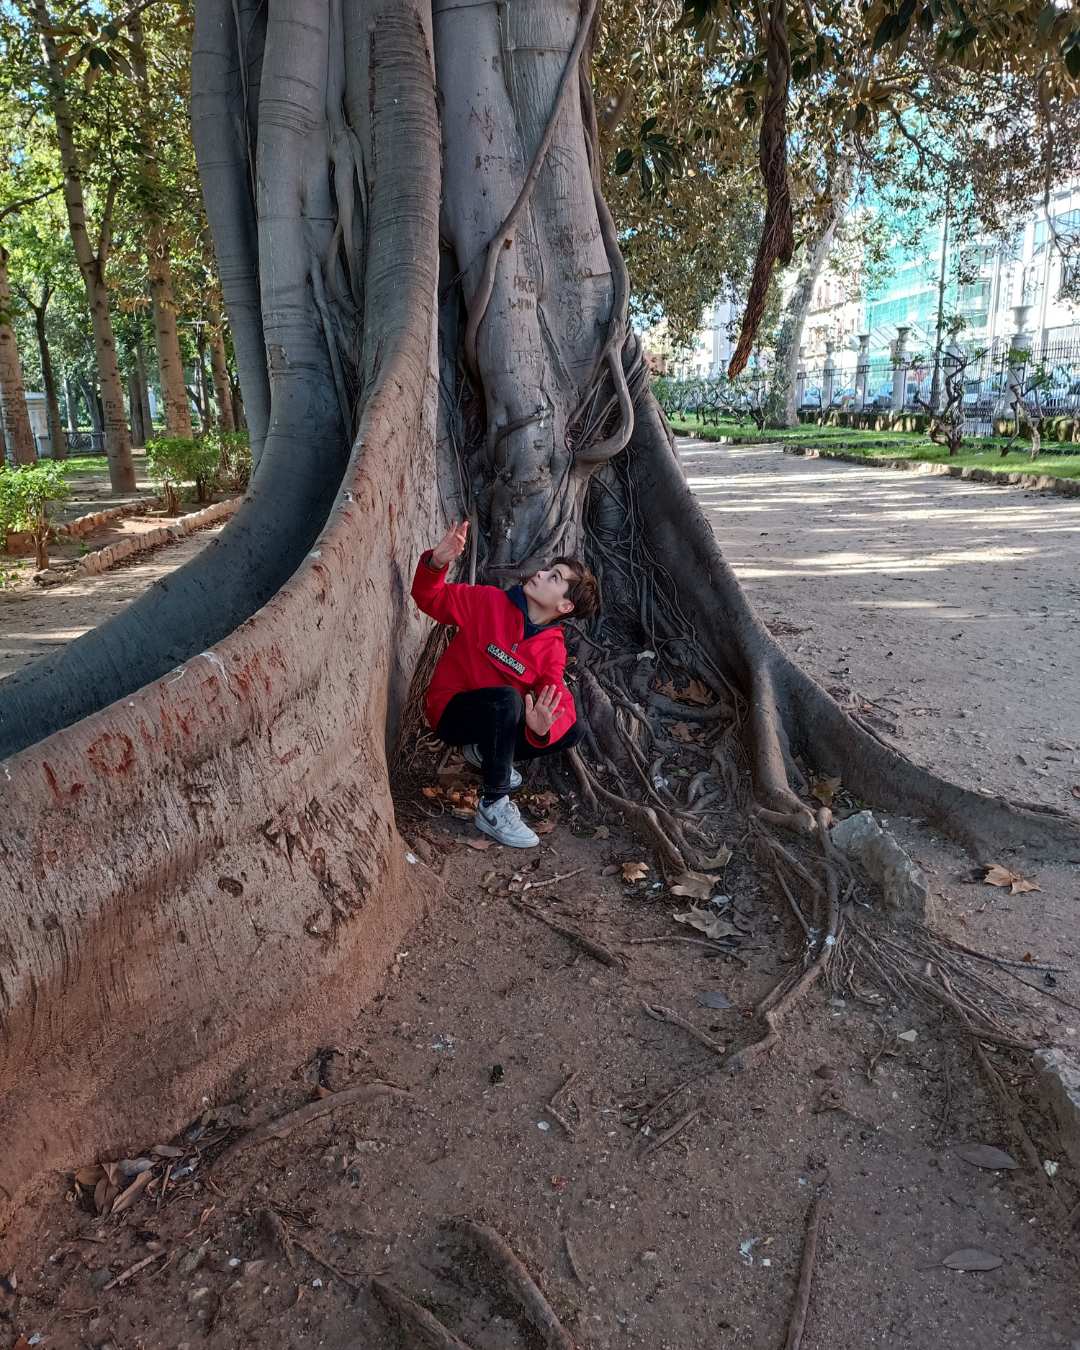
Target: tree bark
(158, 260)
(93, 405)
(71, 401)
(57, 439)
(202, 391)
(780, 409)
(144, 386)
(220, 368)
(91, 261)
(16, 418)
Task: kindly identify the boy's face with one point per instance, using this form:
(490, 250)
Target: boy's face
(547, 588)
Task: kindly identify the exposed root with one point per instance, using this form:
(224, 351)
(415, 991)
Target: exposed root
(284, 1125)
(660, 1014)
(797, 1325)
(672, 1132)
(644, 818)
(416, 1321)
(520, 1283)
(596, 950)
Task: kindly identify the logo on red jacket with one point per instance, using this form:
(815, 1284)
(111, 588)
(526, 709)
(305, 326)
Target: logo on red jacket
(505, 659)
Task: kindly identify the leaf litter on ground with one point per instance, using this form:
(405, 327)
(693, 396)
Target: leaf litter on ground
(712, 925)
(997, 875)
(988, 1157)
(972, 1258)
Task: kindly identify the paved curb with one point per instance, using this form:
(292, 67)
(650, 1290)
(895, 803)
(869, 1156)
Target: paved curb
(1059, 1086)
(1040, 482)
(104, 558)
(96, 520)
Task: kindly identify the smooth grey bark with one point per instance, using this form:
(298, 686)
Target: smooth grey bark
(93, 405)
(306, 440)
(781, 410)
(226, 76)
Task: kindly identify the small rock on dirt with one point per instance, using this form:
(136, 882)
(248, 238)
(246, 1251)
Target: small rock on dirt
(863, 839)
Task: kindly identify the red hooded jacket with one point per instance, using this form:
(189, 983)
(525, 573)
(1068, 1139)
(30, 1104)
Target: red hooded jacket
(490, 648)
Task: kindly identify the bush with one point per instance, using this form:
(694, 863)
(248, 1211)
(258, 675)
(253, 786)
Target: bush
(234, 458)
(173, 461)
(25, 494)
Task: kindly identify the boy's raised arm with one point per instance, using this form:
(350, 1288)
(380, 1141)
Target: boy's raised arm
(429, 589)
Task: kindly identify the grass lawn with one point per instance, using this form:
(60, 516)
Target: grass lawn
(984, 453)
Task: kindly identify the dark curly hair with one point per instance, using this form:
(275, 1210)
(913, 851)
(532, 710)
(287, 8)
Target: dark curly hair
(582, 590)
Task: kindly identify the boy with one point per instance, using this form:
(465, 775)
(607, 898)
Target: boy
(498, 689)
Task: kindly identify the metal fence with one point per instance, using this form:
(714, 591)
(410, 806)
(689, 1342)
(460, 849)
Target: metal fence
(1045, 379)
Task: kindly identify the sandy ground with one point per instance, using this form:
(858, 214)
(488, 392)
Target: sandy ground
(34, 621)
(487, 1012)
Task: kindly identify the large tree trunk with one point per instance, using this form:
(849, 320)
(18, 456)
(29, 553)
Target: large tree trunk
(57, 439)
(780, 407)
(144, 385)
(223, 743)
(93, 405)
(16, 419)
(92, 262)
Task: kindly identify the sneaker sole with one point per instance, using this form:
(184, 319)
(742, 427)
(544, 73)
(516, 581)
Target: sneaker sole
(490, 831)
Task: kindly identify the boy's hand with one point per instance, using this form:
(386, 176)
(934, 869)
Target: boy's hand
(540, 712)
(451, 545)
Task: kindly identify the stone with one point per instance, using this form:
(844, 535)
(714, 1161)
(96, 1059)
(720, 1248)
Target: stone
(1059, 1085)
(862, 839)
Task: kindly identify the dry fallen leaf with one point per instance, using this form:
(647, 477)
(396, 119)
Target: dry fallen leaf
(972, 1258)
(90, 1176)
(430, 792)
(544, 826)
(1075, 789)
(634, 871)
(719, 859)
(695, 692)
(985, 1155)
(825, 789)
(601, 832)
(996, 875)
(712, 998)
(694, 886)
(479, 844)
(705, 922)
(683, 731)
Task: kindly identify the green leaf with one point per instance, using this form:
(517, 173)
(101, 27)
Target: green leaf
(1072, 61)
(624, 160)
(885, 33)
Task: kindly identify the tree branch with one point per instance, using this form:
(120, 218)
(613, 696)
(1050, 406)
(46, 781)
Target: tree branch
(105, 237)
(12, 207)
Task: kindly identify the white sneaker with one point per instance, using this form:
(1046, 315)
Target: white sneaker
(471, 754)
(502, 821)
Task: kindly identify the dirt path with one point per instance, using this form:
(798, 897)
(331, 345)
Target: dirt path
(954, 606)
(487, 1012)
(35, 621)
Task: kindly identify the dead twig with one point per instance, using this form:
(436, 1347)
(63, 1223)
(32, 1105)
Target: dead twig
(661, 1014)
(555, 1112)
(416, 1320)
(538, 1310)
(595, 949)
(571, 1257)
(797, 1325)
(551, 881)
(347, 1280)
(273, 1226)
(283, 1126)
(669, 1134)
(126, 1275)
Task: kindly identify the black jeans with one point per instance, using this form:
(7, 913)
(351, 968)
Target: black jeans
(494, 720)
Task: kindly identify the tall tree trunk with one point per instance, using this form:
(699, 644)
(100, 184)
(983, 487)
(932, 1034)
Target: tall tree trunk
(16, 418)
(57, 439)
(780, 407)
(202, 384)
(158, 260)
(214, 760)
(92, 262)
(71, 401)
(93, 405)
(220, 368)
(144, 385)
(135, 408)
